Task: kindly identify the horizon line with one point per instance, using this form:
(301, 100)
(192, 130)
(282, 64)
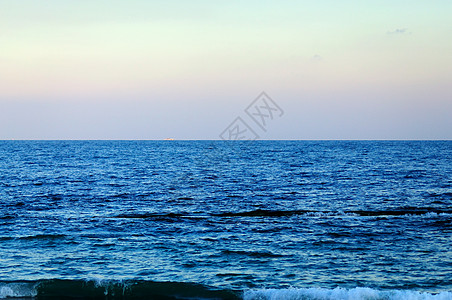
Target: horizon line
(220, 140)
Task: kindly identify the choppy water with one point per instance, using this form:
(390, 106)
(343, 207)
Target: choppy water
(227, 220)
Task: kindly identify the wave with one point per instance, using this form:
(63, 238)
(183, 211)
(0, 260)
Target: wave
(251, 253)
(34, 237)
(99, 289)
(136, 289)
(357, 213)
(43, 237)
(342, 294)
(285, 213)
(427, 212)
(17, 290)
(150, 215)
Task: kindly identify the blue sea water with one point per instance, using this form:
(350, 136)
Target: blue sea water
(226, 220)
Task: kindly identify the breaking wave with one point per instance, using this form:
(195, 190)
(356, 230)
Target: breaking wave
(140, 289)
(342, 294)
(105, 289)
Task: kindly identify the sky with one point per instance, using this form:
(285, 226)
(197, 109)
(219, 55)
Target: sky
(143, 69)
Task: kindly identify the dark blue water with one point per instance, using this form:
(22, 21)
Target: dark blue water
(217, 219)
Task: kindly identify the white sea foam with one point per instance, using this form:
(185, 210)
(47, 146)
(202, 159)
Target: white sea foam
(17, 290)
(342, 294)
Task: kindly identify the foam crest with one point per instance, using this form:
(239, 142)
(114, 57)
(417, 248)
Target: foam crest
(342, 294)
(17, 290)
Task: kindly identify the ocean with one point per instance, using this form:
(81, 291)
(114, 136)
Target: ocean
(226, 219)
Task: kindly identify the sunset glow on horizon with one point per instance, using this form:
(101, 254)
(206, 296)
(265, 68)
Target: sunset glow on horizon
(152, 69)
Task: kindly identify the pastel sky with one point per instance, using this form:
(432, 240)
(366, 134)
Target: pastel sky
(139, 69)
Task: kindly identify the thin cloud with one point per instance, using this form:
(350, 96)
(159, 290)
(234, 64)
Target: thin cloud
(398, 31)
(316, 58)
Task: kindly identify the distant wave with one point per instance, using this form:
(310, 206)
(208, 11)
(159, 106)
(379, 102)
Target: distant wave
(342, 294)
(136, 289)
(314, 213)
(428, 212)
(150, 215)
(251, 253)
(34, 237)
